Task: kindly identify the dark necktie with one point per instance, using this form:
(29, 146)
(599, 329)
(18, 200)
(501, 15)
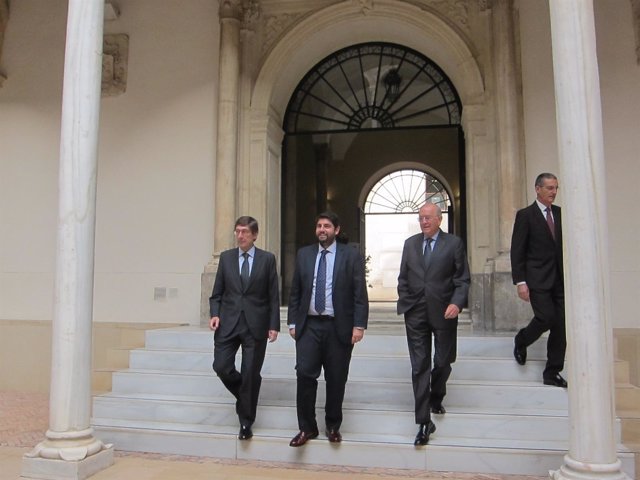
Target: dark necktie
(244, 271)
(321, 283)
(427, 252)
(552, 227)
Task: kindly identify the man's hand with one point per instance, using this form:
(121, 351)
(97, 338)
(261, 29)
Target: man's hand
(452, 311)
(523, 292)
(214, 323)
(356, 335)
(292, 332)
(273, 335)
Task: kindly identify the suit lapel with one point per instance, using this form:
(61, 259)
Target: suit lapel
(542, 220)
(338, 262)
(255, 268)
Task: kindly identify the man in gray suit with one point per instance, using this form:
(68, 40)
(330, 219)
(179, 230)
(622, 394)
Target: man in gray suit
(433, 285)
(245, 312)
(328, 313)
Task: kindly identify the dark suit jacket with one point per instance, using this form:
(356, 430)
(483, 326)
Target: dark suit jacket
(445, 281)
(260, 302)
(535, 257)
(350, 299)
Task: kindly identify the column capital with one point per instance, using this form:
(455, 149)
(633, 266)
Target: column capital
(230, 10)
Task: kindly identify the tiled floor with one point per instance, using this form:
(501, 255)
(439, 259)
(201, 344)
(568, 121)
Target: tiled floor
(24, 421)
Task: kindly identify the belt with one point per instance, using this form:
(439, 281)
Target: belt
(320, 317)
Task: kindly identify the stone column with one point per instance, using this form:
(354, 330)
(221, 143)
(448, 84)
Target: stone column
(226, 197)
(227, 146)
(508, 122)
(592, 452)
(501, 300)
(70, 450)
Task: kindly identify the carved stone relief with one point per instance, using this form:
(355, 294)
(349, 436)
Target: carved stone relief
(275, 25)
(4, 19)
(277, 21)
(115, 60)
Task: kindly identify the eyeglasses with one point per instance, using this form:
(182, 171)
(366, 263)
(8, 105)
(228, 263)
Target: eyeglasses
(426, 218)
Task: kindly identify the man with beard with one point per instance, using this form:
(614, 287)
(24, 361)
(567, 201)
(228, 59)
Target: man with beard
(327, 315)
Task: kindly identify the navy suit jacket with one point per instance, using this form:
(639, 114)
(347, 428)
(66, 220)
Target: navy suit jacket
(536, 258)
(260, 302)
(350, 299)
(445, 281)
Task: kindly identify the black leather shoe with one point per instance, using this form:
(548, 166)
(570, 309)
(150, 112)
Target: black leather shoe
(302, 437)
(555, 381)
(438, 409)
(245, 432)
(334, 435)
(520, 354)
(426, 429)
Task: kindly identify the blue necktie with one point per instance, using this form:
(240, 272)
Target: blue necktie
(244, 271)
(427, 252)
(321, 283)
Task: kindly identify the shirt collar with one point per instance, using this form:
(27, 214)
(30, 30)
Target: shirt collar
(542, 206)
(331, 248)
(251, 251)
(434, 237)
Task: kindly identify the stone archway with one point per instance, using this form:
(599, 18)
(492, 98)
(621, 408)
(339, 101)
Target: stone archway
(493, 159)
(317, 36)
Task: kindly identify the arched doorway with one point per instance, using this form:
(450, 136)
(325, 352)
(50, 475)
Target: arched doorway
(390, 216)
(356, 112)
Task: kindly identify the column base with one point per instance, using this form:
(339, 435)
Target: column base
(574, 470)
(46, 468)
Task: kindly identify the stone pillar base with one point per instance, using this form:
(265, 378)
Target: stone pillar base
(495, 305)
(38, 467)
(573, 470)
(206, 285)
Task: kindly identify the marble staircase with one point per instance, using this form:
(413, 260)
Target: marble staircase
(500, 418)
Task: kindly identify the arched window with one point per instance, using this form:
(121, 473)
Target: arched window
(372, 86)
(390, 217)
(405, 191)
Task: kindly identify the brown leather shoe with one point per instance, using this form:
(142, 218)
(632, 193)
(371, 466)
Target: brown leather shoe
(334, 435)
(301, 438)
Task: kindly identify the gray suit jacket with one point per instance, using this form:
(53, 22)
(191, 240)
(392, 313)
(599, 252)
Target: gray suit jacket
(350, 299)
(445, 281)
(260, 302)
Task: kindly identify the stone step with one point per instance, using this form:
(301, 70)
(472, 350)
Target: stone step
(532, 424)
(389, 392)
(385, 366)
(515, 456)
(500, 418)
(200, 339)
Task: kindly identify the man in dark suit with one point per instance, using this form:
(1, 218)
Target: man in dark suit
(433, 286)
(536, 266)
(328, 313)
(245, 312)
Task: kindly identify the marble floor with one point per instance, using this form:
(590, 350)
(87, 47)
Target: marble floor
(24, 420)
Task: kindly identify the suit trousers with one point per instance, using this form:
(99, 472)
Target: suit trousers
(429, 385)
(548, 311)
(244, 385)
(319, 348)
